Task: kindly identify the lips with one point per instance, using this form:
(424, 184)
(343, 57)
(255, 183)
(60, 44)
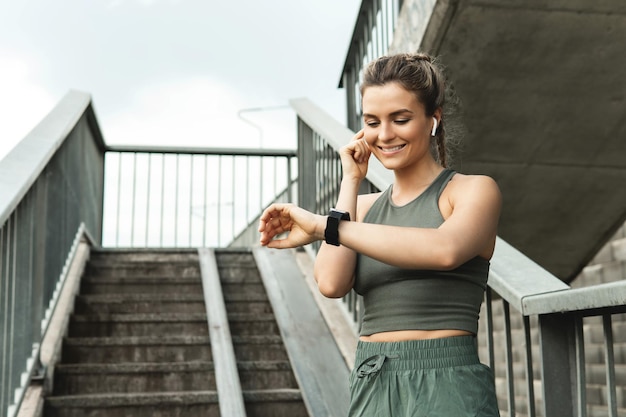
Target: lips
(391, 149)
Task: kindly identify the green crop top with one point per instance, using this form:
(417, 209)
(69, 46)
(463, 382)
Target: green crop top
(412, 299)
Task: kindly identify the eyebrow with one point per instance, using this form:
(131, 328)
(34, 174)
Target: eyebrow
(393, 114)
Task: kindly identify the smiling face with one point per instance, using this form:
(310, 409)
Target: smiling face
(397, 128)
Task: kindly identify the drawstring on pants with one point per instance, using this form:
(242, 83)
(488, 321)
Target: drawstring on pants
(372, 365)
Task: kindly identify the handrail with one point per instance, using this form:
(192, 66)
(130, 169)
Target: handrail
(516, 277)
(197, 150)
(21, 167)
(587, 299)
(231, 401)
(51, 186)
(321, 372)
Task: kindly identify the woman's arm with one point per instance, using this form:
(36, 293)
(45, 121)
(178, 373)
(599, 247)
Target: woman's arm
(469, 230)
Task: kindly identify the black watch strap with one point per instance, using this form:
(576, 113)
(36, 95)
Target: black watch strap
(331, 234)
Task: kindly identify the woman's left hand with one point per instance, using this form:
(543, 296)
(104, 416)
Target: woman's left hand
(355, 157)
(303, 227)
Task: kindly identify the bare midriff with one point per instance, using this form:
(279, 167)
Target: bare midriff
(404, 335)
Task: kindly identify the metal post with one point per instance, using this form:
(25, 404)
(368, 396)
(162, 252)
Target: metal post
(556, 340)
(306, 165)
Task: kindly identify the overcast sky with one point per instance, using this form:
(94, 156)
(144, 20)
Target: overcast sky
(173, 72)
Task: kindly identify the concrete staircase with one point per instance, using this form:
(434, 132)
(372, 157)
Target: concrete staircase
(138, 341)
(609, 265)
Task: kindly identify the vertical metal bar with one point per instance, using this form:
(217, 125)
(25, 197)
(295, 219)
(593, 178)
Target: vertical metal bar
(289, 187)
(14, 222)
(232, 209)
(489, 329)
(119, 203)
(176, 183)
(148, 197)
(134, 201)
(581, 386)
(162, 198)
(219, 202)
(375, 29)
(274, 191)
(609, 360)
(383, 7)
(530, 378)
(204, 202)
(261, 184)
(510, 378)
(247, 188)
(190, 198)
(5, 385)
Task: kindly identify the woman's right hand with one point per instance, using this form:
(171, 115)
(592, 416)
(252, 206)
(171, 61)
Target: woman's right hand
(302, 227)
(355, 157)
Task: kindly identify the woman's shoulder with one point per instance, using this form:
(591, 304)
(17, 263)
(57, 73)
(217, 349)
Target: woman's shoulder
(472, 186)
(477, 180)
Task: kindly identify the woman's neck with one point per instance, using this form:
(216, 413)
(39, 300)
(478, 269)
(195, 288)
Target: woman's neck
(408, 184)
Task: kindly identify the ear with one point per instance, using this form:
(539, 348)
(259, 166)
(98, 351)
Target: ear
(436, 120)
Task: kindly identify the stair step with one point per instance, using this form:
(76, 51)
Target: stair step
(239, 274)
(249, 289)
(122, 325)
(275, 403)
(235, 259)
(144, 269)
(81, 379)
(596, 374)
(167, 349)
(261, 403)
(138, 342)
(139, 303)
(174, 404)
(259, 348)
(595, 333)
(140, 377)
(136, 349)
(259, 375)
(597, 395)
(242, 324)
(117, 257)
(603, 411)
(141, 285)
(594, 353)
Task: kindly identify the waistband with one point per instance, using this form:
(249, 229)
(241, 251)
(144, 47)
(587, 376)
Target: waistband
(415, 354)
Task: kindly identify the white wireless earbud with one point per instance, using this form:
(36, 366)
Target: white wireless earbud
(434, 127)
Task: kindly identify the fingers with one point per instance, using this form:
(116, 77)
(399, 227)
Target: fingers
(274, 221)
(361, 151)
(359, 135)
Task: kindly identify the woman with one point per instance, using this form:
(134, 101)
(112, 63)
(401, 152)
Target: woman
(418, 252)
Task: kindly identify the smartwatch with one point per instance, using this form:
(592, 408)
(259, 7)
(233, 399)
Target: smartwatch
(331, 234)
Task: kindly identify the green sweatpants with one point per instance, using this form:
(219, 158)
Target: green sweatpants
(421, 378)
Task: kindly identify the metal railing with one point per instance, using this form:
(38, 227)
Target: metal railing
(189, 197)
(546, 349)
(62, 184)
(371, 38)
(50, 195)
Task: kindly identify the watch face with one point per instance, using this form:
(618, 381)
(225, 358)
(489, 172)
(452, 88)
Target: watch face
(339, 214)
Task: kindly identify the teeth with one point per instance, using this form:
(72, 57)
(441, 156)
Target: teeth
(395, 148)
